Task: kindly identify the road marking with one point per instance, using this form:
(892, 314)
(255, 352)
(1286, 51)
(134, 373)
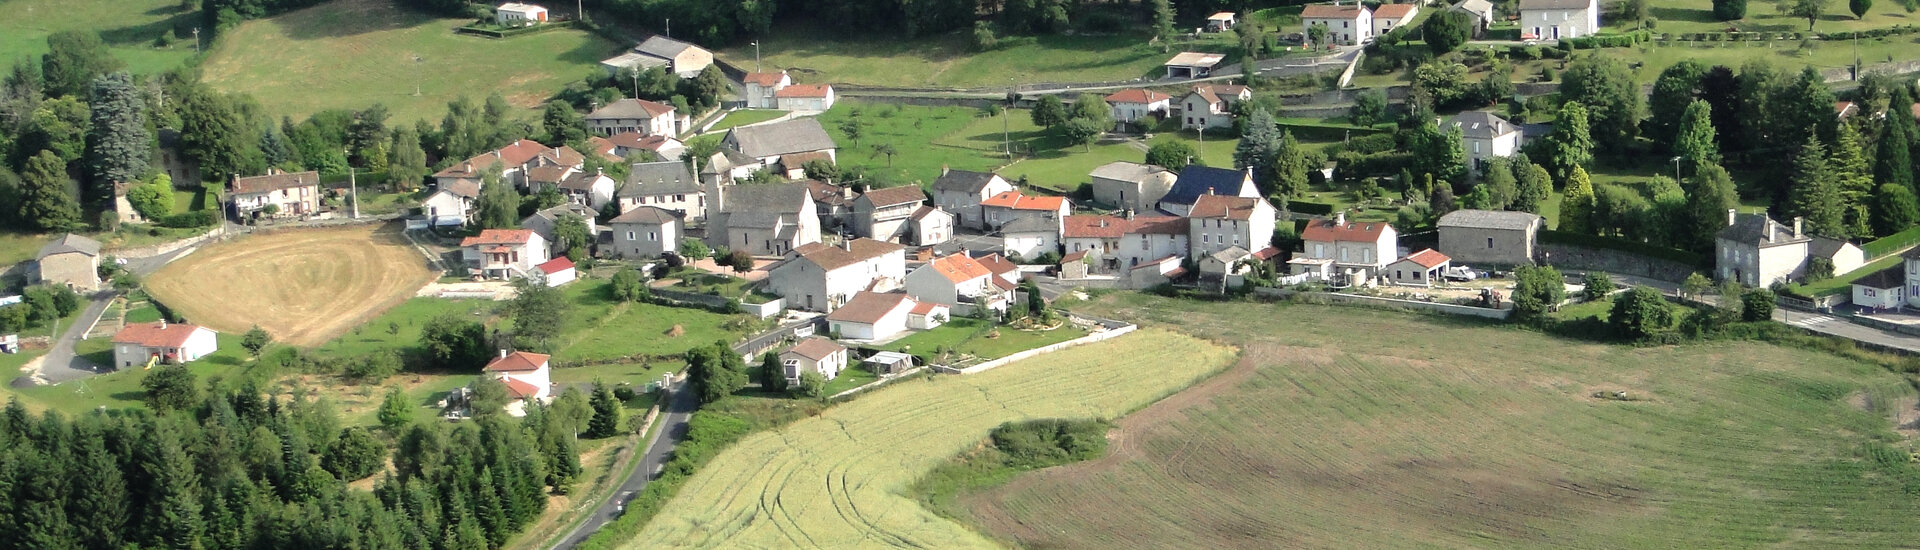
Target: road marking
(1810, 321)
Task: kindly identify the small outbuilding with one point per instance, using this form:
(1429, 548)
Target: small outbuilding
(1220, 22)
(1193, 64)
(72, 261)
(888, 363)
(813, 354)
(1418, 269)
(515, 13)
(1881, 290)
(557, 271)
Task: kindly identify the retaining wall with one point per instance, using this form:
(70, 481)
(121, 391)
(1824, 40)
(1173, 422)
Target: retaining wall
(1567, 256)
(1451, 309)
(163, 248)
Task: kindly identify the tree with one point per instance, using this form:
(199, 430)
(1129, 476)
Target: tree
(171, 388)
(487, 396)
(1673, 93)
(1805, 9)
(1596, 285)
(1894, 209)
(1091, 107)
(1695, 286)
(627, 286)
(117, 141)
(606, 413)
(355, 455)
(562, 123)
(1317, 35)
(1815, 196)
(1695, 141)
(538, 312)
(255, 340)
(1537, 290)
(716, 371)
(1633, 10)
(44, 199)
(1729, 10)
(454, 343)
(1604, 85)
(1576, 203)
(1259, 146)
(853, 128)
(394, 413)
(773, 377)
(1639, 313)
(1709, 197)
(1289, 168)
(1534, 185)
(813, 384)
(73, 59)
(1447, 30)
(1859, 8)
(1370, 107)
(1756, 305)
(1083, 131)
(1851, 176)
(570, 232)
(153, 199)
(1172, 154)
(407, 165)
(1441, 201)
(1571, 144)
(213, 135)
(1893, 161)
(1502, 188)
(740, 261)
(693, 249)
(1439, 152)
(499, 204)
(1251, 36)
(1162, 19)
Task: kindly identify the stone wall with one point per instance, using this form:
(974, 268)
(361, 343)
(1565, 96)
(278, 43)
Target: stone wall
(1439, 307)
(1566, 256)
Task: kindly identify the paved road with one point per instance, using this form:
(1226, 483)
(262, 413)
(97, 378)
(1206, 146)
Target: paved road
(659, 449)
(61, 364)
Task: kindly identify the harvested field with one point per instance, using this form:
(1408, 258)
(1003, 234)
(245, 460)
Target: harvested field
(840, 480)
(1344, 427)
(304, 286)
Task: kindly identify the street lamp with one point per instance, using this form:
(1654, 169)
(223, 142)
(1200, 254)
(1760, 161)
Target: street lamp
(1006, 134)
(756, 56)
(1676, 168)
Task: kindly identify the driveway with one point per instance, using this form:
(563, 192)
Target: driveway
(659, 449)
(60, 364)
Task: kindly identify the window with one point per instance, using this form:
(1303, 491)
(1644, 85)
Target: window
(1489, 242)
(651, 236)
(630, 235)
(1343, 24)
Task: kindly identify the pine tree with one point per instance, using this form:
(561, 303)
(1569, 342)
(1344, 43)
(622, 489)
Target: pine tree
(1162, 18)
(1576, 203)
(606, 413)
(1535, 187)
(1815, 196)
(1893, 159)
(100, 491)
(773, 377)
(173, 517)
(117, 141)
(1852, 177)
(1289, 168)
(45, 202)
(1894, 209)
(274, 147)
(1694, 140)
(1258, 148)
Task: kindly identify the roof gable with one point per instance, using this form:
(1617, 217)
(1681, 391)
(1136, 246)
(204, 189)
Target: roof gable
(1329, 231)
(646, 215)
(830, 257)
(1225, 207)
(70, 243)
(815, 348)
(964, 181)
(158, 334)
(894, 196)
(870, 307)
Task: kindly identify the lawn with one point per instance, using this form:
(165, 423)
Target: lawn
(17, 246)
(855, 376)
(372, 51)
(1842, 283)
(599, 328)
(744, 117)
(129, 27)
(119, 390)
(972, 337)
(1697, 16)
(918, 134)
(1368, 428)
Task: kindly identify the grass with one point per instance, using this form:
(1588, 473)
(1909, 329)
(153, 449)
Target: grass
(971, 337)
(119, 390)
(701, 282)
(853, 377)
(746, 116)
(18, 246)
(915, 132)
(129, 27)
(1369, 428)
(840, 479)
(1842, 283)
(599, 328)
(367, 51)
(1697, 16)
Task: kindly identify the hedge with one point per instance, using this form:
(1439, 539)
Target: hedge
(1350, 166)
(1623, 245)
(1891, 243)
(1310, 208)
(504, 33)
(191, 220)
(1870, 33)
(1327, 132)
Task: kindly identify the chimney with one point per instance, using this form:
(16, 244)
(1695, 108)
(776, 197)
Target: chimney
(846, 244)
(1797, 222)
(503, 353)
(1770, 230)
(944, 169)
(1129, 213)
(163, 322)
(1340, 219)
(1731, 214)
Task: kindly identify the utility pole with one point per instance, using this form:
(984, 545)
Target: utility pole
(417, 60)
(196, 40)
(756, 56)
(579, 11)
(1676, 168)
(353, 189)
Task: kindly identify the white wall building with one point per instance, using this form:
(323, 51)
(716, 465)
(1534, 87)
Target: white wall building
(1557, 19)
(160, 342)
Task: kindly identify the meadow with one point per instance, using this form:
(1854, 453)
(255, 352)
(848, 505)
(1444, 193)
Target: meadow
(840, 479)
(814, 54)
(1697, 16)
(1371, 428)
(129, 27)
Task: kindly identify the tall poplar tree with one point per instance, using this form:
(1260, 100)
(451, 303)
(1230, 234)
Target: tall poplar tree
(1576, 203)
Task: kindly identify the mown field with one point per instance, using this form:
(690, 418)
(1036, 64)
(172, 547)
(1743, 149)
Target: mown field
(1347, 427)
(1697, 16)
(822, 55)
(129, 27)
(349, 54)
(840, 479)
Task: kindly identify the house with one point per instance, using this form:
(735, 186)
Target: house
(1221, 221)
(888, 363)
(626, 144)
(1193, 64)
(146, 344)
(783, 146)
(833, 203)
(72, 261)
(1911, 260)
(686, 60)
(1491, 237)
(1211, 106)
(635, 115)
(1842, 110)
(959, 279)
(1134, 104)
(1481, 11)
(514, 160)
(1557, 19)
(726, 166)
(1388, 17)
(185, 171)
(881, 214)
(1114, 243)
(604, 148)
(960, 192)
(1196, 180)
(123, 208)
(871, 316)
(1485, 136)
(1881, 290)
(928, 316)
(1003, 208)
(929, 226)
(1000, 266)
(276, 194)
(1421, 268)
(1347, 24)
(503, 253)
(761, 87)
(1842, 255)
(1030, 237)
(666, 184)
(1075, 265)
(1348, 253)
(813, 354)
(763, 220)
(821, 277)
(1229, 267)
(593, 190)
(528, 376)
(542, 177)
(543, 221)
(645, 232)
(556, 272)
(804, 97)
(1155, 272)
(1130, 185)
(1218, 22)
(451, 203)
(515, 14)
(1756, 251)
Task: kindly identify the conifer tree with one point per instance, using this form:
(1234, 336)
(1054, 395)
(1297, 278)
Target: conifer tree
(118, 144)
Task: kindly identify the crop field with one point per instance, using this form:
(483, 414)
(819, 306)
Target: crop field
(305, 287)
(350, 54)
(840, 479)
(1347, 427)
(129, 27)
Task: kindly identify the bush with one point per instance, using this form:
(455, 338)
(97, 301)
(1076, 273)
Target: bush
(191, 220)
(1623, 245)
(1756, 305)
(1042, 443)
(623, 392)
(1352, 166)
(1310, 208)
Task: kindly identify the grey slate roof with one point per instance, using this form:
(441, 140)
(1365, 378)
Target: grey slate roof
(1126, 171)
(725, 159)
(800, 135)
(1554, 4)
(964, 181)
(630, 108)
(70, 243)
(1823, 247)
(1489, 219)
(1031, 224)
(1892, 277)
(667, 177)
(1230, 255)
(1196, 180)
(1482, 124)
(662, 47)
(645, 215)
(1752, 229)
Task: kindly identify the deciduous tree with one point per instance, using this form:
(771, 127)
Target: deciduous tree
(1604, 86)
(45, 202)
(1048, 111)
(499, 204)
(1172, 155)
(255, 340)
(1809, 10)
(1673, 93)
(1695, 141)
(1640, 312)
(73, 59)
(1571, 144)
(539, 311)
(1576, 203)
(1534, 186)
(1447, 30)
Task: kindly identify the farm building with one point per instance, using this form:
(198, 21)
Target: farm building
(686, 60)
(72, 261)
(145, 344)
(1155, 272)
(804, 97)
(761, 87)
(1491, 237)
(1480, 10)
(871, 316)
(1418, 269)
(635, 115)
(515, 14)
(1193, 64)
(556, 272)
(645, 232)
(1130, 185)
(528, 376)
(1075, 265)
(276, 194)
(960, 193)
(503, 253)
(813, 354)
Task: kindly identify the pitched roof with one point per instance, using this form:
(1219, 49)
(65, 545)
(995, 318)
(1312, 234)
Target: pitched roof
(1555, 4)
(663, 47)
(636, 140)
(1330, 11)
(555, 265)
(274, 181)
(958, 268)
(1825, 248)
(158, 334)
(799, 160)
(1489, 219)
(1074, 257)
(548, 174)
(964, 181)
(1031, 224)
(763, 79)
(512, 156)
(1017, 201)
(520, 389)
(646, 215)
(70, 243)
(799, 135)
(1482, 125)
(1113, 227)
(583, 181)
(868, 307)
(783, 198)
(667, 177)
(1137, 95)
(1428, 258)
(631, 108)
(1225, 206)
(815, 348)
(554, 213)
(1393, 11)
(517, 361)
(826, 193)
(516, 6)
(1892, 277)
(464, 188)
(1475, 6)
(1752, 229)
(895, 195)
(997, 264)
(924, 308)
(805, 90)
(1196, 59)
(924, 211)
(830, 257)
(1230, 255)
(1196, 180)
(1158, 225)
(498, 236)
(1121, 170)
(1213, 93)
(603, 147)
(1003, 284)
(1221, 16)
(1326, 231)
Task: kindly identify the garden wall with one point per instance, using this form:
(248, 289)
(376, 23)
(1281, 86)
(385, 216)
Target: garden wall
(1569, 256)
(1109, 334)
(1438, 307)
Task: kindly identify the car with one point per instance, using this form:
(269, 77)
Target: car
(620, 504)
(1460, 273)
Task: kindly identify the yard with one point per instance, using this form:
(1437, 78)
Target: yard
(598, 328)
(744, 117)
(129, 27)
(981, 340)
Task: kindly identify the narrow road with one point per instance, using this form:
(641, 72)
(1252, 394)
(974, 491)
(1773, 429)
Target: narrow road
(61, 364)
(659, 449)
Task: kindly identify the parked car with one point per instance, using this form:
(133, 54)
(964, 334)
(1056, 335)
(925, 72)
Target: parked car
(1460, 273)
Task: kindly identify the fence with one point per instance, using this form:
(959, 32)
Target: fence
(1437, 307)
(1101, 336)
(1891, 244)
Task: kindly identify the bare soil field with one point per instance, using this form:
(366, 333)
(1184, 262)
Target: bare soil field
(304, 286)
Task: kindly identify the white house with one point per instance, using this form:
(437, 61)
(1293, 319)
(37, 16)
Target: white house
(1418, 269)
(556, 272)
(1557, 19)
(634, 115)
(1757, 251)
(1134, 104)
(503, 253)
(1485, 136)
(960, 192)
(1480, 10)
(288, 193)
(1155, 272)
(929, 226)
(822, 277)
(143, 344)
(591, 189)
(1353, 253)
(1003, 208)
(813, 354)
(1388, 17)
(804, 97)
(1222, 221)
(1113, 243)
(1882, 290)
(1347, 24)
(871, 316)
(450, 204)
(528, 376)
(626, 144)
(1843, 255)
(761, 87)
(515, 13)
(1196, 180)
(1030, 237)
(645, 232)
(1211, 105)
(958, 279)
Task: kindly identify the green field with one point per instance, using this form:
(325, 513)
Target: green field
(1367, 428)
(1697, 16)
(349, 54)
(129, 27)
(973, 337)
(839, 479)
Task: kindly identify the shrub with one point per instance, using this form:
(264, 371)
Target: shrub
(191, 220)
(1756, 305)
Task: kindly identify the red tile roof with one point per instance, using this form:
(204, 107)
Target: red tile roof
(1003, 284)
(634, 140)
(1018, 201)
(519, 361)
(997, 264)
(158, 334)
(1267, 253)
(1429, 258)
(925, 308)
(1325, 230)
(1113, 227)
(1074, 257)
(1393, 11)
(1222, 206)
(1137, 95)
(958, 268)
(520, 389)
(764, 79)
(805, 90)
(555, 265)
(830, 257)
(499, 236)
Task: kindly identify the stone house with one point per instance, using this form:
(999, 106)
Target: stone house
(645, 232)
(813, 354)
(1130, 185)
(761, 87)
(294, 194)
(960, 192)
(1347, 24)
(681, 58)
(72, 261)
(821, 277)
(881, 214)
(1004, 208)
(1211, 105)
(1491, 237)
(1219, 222)
(1557, 19)
(543, 221)
(635, 115)
(763, 220)
(667, 185)
(1754, 250)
